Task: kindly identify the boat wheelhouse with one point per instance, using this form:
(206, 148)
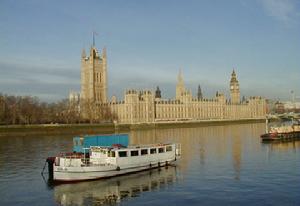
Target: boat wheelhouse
(86, 141)
(117, 160)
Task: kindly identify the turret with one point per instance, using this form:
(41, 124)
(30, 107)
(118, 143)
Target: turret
(157, 93)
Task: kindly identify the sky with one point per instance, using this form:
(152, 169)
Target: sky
(148, 42)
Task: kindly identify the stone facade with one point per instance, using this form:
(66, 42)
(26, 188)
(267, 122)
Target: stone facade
(94, 76)
(148, 107)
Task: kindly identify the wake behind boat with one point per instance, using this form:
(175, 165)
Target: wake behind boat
(109, 161)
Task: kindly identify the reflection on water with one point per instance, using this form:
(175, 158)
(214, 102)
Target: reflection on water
(203, 142)
(219, 165)
(292, 145)
(114, 190)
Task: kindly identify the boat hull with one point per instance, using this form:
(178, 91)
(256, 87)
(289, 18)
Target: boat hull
(269, 137)
(75, 174)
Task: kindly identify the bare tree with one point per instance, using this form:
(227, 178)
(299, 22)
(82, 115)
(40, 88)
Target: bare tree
(30, 110)
(2, 109)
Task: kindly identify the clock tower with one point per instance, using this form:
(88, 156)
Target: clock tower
(234, 89)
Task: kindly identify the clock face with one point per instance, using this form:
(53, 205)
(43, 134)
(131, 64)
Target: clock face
(231, 87)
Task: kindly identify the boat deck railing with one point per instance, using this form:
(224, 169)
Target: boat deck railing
(116, 147)
(148, 145)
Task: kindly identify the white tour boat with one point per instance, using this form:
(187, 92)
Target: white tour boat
(102, 162)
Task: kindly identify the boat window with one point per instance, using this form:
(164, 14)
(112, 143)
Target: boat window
(111, 154)
(161, 150)
(144, 152)
(134, 153)
(153, 151)
(169, 148)
(123, 154)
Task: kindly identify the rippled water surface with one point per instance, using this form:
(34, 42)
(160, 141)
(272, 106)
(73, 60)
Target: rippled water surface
(220, 165)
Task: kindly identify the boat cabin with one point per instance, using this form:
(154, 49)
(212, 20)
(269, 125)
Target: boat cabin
(132, 155)
(122, 157)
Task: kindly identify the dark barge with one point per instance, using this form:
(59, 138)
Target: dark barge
(288, 136)
(281, 133)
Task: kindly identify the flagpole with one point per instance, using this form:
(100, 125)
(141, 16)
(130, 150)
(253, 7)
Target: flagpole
(93, 39)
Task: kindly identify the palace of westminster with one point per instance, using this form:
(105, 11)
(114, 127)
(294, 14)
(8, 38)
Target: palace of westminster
(149, 107)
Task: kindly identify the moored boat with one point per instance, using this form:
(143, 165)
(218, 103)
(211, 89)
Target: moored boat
(109, 161)
(281, 133)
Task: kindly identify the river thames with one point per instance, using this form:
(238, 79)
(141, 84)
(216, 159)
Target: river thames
(220, 165)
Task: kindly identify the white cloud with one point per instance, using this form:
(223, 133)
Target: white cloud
(283, 10)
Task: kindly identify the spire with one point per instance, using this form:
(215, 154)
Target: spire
(233, 76)
(180, 88)
(199, 94)
(233, 72)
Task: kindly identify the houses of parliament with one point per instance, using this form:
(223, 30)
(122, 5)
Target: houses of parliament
(144, 106)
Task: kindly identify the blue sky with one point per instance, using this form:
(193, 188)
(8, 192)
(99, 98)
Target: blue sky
(148, 42)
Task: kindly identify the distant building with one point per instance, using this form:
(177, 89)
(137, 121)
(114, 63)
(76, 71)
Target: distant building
(285, 107)
(290, 106)
(146, 107)
(279, 108)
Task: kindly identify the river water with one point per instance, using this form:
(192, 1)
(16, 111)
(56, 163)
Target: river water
(220, 165)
